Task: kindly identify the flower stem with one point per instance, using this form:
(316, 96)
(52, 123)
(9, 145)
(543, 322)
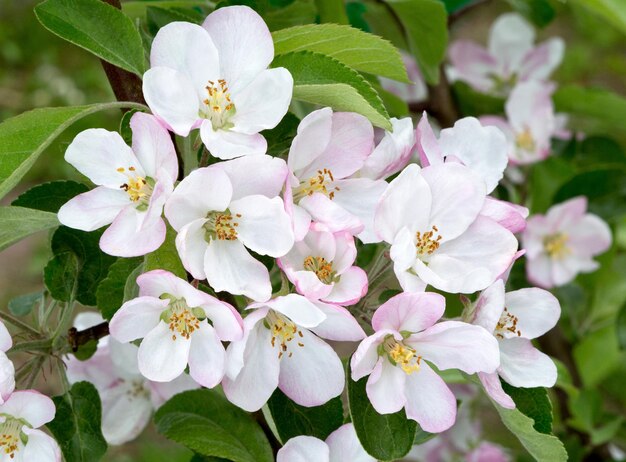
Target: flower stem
(17, 323)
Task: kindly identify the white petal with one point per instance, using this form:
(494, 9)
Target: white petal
(365, 357)
(328, 212)
(522, 365)
(93, 209)
(160, 357)
(136, 318)
(393, 152)
(134, 233)
(250, 175)
(313, 135)
(510, 38)
(40, 447)
(124, 415)
(386, 387)
(299, 309)
(344, 446)
(303, 449)
(350, 288)
(35, 408)
(206, 356)
(494, 389)
(411, 312)
(228, 144)
(191, 244)
(489, 306)
(7, 377)
(153, 145)
(339, 324)
(6, 341)
(537, 311)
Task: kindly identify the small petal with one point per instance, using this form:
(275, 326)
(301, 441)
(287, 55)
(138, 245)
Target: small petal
(303, 449)
(339, 324)
(93, 209)
(493, 387)
(365, 357)
(206, 356)
(386, 387)
(40, 447)
(124, 415)
(489, 307)
(136, 318)
(6, 341)
(134, 233)
(345, 446)
(313, 136)
(393, 152)
(191, 244)
(299, 309)
(326, 211)
(350, 288)
(253, 175)
(411, 312)
(7, 377)
(522, 365)
(510, 38)
(163, 355)
(153, 145)
(228, 144)
(537, 311)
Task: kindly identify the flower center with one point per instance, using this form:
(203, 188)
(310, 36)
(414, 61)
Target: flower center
(507, 323)
(319, 183)
(503, 84)
(401, 355)
(218, 107)
(11, 435)
(427, 242)
(138, 389)
(138, 188)
(221, 226)
(556, 245)
(323, 269)
(283, 332)
(525, 141)
(182, 320)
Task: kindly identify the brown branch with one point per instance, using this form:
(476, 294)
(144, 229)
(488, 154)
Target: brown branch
(76, 337)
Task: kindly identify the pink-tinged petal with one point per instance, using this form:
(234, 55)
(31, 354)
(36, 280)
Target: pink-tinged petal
(264, 226)
(405, 203)
(457, 195)
(124, 359)
(93, 209)
(202, 191)
(308, 284)
(303, 449)
(410, 93)
(328, 212)
(360, 196)
(188, 49)
(537, 311)
(409, 281)
(339, 324)
(299, 309)
(489, 307)
(228, 144)
(98, 370)
(393, 152)
(7, 377)
(591, 236)
(125, 413)
(471, 262)
(258, 378)
(136, 318)
(345, 446)
(473, 64)
(191, 244)
(163, 391)
(264, 101)
(345, 252)
(386, 387)
(153, 145)
(206, 356)
(457, 345)
(172, 97)
(539, 271)
(229, 267)
(350, 288)
(525, 366)
(313, 136)
(563, 216)
(510, 38)
(366, 355)
(351, 141)
(488, 452)
(99, 153)
(403, 252)
(429, 401)
(162, 358)
(252, 175)
(542, 60)
(133, 234)
(35, 408)
(301, 220)
(566, 269)
(493, 387)
(243, 41)
(6, 341)
(312, 374)
(411, 312)
(40, 447)
(226, 320)
(506, 214)
(482, 149)
(427, 144)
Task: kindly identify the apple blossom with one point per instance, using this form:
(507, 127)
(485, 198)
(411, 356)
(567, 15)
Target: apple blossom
(128, 399)
(431, 217)
(395, 358)
(172, 318)
(132, 186)
(563, 242)
(215, 77)
(507, 214)
(515, 318)
(223, 210)
(328, 149)
(7, 370)
(415, 92)
(21, 415)
(282, 347)
(321, 268)
(511, 57)
(342, 445)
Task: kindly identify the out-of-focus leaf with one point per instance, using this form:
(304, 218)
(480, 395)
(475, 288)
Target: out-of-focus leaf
(534, 403)
(110, 293)
(621, 327)
(598, 355)
(23, 304)
(539, 12)
(474, 103)
(603, 105)
(545, 179)
(16, 223)
(158, 17)
(612, 11)
(455, 5)
(49, 197)
(166, 257)
(296, 13)
(333, 11)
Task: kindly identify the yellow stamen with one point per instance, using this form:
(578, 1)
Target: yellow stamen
(507, 323)
(428, 242)
(402, 355)
(322, 269)
(525, 141)
(10, 436)
(556, 245)
(218, 107)
(181, 319)
(319, 183)
(283, 332)
(222, 226)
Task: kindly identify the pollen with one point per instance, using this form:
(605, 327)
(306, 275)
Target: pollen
(507, 323)
(556, 246)
(138, 188)
(10, 436)
(525, 141)
(283, 332)
(180, 319)
(319, 183)
(222, 226)
(426, 243)
(218, 106)
(323, 269)
(402, 355)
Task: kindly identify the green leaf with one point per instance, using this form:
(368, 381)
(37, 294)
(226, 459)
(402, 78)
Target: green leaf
(474, 103)
(111, 291)
(612, 11)
(279, 138)
(455, 5)
(24, 304)
(49, 197)
(332, 11)
(158, 17)
(426, 25)
(356, 49)
(539, 12)
(534, 403)
(23, 138)
(546, 178)
(92, 264)
(97, 27)
(166, 257)
(385, 437)
(605, 106)
(539, 445)
(292, 420)
(621, 327)
(76, 425)
(320, 79)
(381, 20)
(16, 223)
(60, 276)
(598, 355)
(296, 13)
(205, 422)
(86, 350)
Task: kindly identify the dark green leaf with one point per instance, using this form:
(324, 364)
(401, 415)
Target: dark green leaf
(23, 304)
(621, 327)
(382, 21)
(76, 425)
(205, 422)
(599, 152)
(49, 197)
(292, 420)
(111, 291)
(166, 257)
(158, 17)
(474, 103)
(534, 403)
(545, 179)
(385, 437)
(86, 350)
(60, 276)
(296, 13)
(332, 11)
(539, 12)
(279, 138)
(455, 5)
(98, 28)
(16, 223)
(125, 130)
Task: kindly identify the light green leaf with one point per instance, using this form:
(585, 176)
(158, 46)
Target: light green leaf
(166, 257)
(426, 25)
(16, 223)
(320, 79)
(612, 11)
(24, 304)
(357, 49)
(602, 105)
(598, 355)
(23, 138)
(97, 27)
